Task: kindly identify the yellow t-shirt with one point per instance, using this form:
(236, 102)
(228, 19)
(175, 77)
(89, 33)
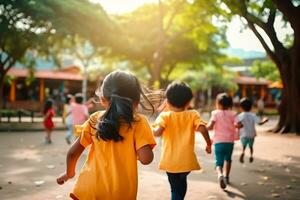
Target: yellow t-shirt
(110, 171)
(178, 140)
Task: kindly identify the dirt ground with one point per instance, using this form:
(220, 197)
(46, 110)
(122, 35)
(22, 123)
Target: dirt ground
(28, 169)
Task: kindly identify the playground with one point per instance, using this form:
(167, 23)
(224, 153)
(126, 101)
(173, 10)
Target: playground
(29, 168)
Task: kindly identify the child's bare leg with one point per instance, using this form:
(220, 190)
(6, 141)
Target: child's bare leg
(251, 154)
(242, 155)
(48, 136)
(227, 168)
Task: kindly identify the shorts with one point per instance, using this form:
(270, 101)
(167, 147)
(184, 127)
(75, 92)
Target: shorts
(223, 152)
(247, 141)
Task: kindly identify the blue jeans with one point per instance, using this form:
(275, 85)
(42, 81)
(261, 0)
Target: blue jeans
(69, 133)
(178, 185)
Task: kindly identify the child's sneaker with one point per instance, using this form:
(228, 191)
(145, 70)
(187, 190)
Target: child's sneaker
(242, 158)
(222, 181)
(251, 159)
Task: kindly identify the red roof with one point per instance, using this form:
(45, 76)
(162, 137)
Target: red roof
(246, 80)
(46, 74)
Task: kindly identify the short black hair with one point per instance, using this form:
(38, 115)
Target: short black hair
(246, 104)
(224, 100)
(68, 98)
(78, 98)
(178, 94)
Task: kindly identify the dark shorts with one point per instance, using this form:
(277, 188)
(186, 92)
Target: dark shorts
(223, 152)
(247, 141)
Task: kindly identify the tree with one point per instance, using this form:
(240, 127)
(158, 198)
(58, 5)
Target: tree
(38, 25)
(265, 69)
(161, 37)
(260, 16)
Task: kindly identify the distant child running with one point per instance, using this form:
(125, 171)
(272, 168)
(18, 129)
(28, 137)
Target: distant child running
(247, 133)
(67, 116)
(79, 111)
(117, 137)
(177, 128)
(223, 122)
(48, 122)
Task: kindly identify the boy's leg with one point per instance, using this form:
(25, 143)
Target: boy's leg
(178, 185)
(244, 143)
(251, 141)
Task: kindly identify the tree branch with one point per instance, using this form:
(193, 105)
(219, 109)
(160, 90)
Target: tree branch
(262, 41)
(289, 10)
(176, 10)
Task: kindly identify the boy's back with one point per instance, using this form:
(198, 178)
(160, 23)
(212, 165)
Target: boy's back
(178, 140)
(248, 119)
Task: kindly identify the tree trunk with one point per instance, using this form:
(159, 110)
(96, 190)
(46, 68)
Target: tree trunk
(289, 109)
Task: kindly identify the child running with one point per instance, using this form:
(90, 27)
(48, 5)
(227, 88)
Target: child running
(117, 137)
(247, 133)
(223, 122)
(79, 111)
(68, 117)
(177, 128)
(48, 122)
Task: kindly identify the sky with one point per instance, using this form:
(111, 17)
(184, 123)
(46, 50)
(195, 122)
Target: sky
(237, 36)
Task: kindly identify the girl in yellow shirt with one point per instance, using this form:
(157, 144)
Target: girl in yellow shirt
(177, 128)
(117, 138)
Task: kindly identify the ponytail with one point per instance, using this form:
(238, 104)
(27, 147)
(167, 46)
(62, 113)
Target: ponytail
(120, 111)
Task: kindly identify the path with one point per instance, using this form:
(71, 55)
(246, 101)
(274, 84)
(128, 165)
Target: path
(28, 169)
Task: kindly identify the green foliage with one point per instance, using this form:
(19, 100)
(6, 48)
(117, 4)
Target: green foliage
(38, 25)
(265, 69)
(209, 77)
(179, 33)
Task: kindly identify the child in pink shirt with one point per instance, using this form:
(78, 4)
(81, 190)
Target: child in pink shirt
(223, 122)
(79, 111)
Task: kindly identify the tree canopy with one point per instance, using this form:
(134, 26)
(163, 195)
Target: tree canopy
(39, 25)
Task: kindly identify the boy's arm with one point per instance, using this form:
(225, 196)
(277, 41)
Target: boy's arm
(157, 132)
(238, 125)
(206, 137)
(73, 154)
(145, 154)
(264, 120)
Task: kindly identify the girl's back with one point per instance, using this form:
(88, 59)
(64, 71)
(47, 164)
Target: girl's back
(224, 128)
(110, 171)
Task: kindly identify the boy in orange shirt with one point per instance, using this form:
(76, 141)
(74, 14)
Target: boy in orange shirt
(177, 128)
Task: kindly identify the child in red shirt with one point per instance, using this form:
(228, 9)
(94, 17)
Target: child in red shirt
(48, 122)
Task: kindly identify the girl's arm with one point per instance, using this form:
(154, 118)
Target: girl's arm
(210, 125)
(73, 154)
(206, 137)
(158, 131)
(145, 154)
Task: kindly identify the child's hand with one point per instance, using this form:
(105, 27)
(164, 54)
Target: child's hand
(208, 149)
(62, 179)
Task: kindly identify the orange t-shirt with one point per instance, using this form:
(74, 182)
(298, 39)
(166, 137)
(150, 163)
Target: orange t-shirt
(110, 171)
(178, 140)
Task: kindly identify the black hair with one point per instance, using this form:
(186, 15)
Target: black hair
(224, 100)
(246, 104)
(48, 105)
(121, 89)
(68, 98)
(178, 94)
(78, 98)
